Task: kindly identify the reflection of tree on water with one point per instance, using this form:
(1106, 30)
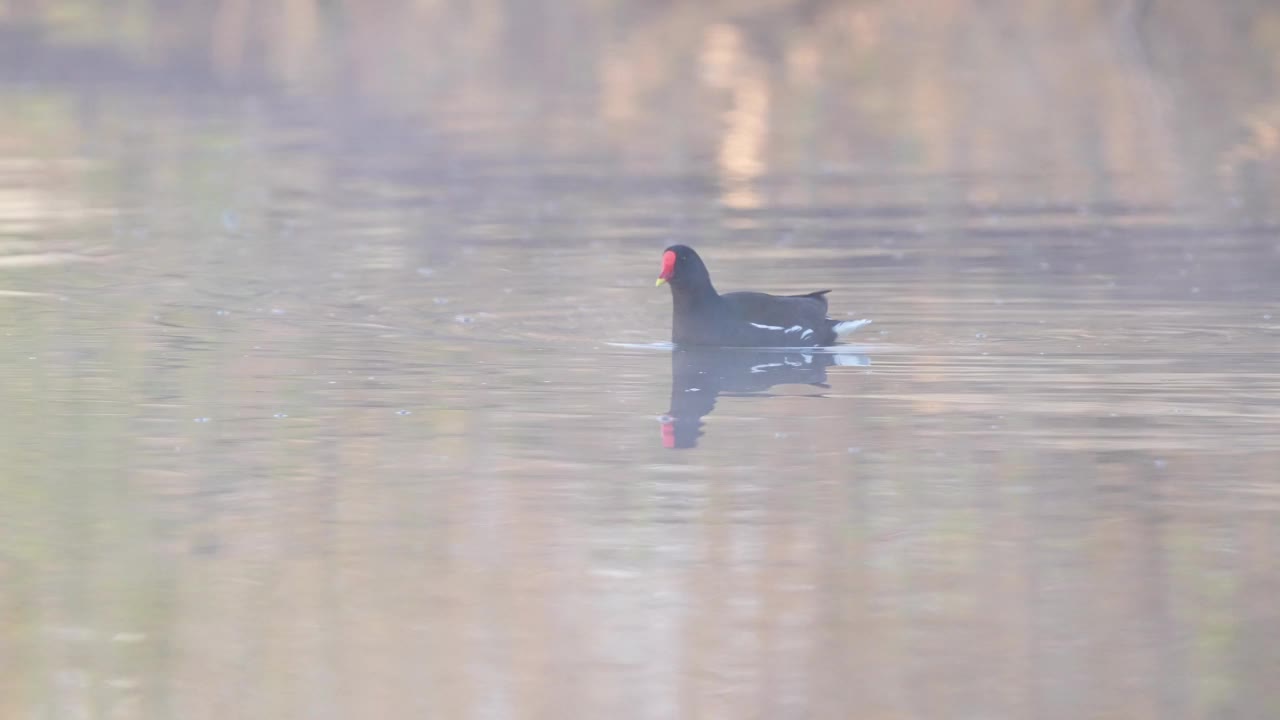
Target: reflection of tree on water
(699, 376)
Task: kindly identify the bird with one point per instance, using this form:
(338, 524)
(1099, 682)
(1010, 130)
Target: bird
(700, 316)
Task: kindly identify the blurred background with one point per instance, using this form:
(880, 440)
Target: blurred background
(335, 384)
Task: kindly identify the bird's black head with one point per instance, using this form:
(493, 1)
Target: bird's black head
(682, 267)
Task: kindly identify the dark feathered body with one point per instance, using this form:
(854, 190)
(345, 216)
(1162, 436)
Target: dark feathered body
(703, 317)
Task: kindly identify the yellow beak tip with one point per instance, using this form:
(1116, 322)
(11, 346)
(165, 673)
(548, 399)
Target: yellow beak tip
(659, 282)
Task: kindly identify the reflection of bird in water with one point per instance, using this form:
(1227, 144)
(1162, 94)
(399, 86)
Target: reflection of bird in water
(700, 375)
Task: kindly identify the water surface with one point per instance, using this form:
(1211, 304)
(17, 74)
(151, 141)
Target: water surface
(336, 384)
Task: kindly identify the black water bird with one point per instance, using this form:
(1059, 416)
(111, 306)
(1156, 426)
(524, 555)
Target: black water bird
(703, 317)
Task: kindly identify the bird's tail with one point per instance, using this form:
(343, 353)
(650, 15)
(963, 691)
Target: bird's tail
(847, 326)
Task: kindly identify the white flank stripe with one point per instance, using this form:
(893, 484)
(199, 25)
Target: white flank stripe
(766, 327)
(849, 326)
(794, 328)
(806, 335)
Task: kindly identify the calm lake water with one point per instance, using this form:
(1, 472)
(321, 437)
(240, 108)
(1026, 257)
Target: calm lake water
(336, 384)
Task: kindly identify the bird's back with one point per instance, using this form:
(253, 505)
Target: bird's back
(786, 310)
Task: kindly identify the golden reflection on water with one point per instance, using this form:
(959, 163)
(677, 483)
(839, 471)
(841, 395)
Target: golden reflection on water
(746, 122)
